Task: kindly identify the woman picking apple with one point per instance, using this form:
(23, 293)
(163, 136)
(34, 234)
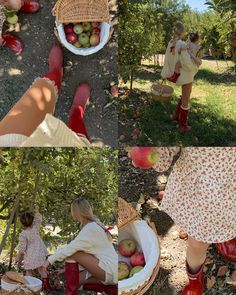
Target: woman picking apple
(90, 258)
(200, 198)
(176, 57)
(30, 122)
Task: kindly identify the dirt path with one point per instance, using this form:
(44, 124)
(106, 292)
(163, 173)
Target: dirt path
(171, 278)
(17, 73)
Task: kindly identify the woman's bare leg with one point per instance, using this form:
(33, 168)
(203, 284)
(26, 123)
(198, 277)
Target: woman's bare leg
(186, 94)
(83, 280)
(196, 254)
(27, 114)
(90, 263)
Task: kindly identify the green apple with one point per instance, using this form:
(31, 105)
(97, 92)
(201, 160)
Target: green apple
(87, 26)
(12, 19)
(83, 39)
(78, 29)
(135, 270)
(87, 45)
(77, 44)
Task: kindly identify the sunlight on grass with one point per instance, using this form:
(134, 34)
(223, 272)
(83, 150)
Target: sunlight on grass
(213, 107)
(220, 97)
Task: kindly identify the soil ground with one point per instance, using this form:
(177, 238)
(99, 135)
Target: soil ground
(135, 185)
(18, 72)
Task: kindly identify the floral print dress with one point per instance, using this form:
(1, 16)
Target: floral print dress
(31, 244)
(200, 195)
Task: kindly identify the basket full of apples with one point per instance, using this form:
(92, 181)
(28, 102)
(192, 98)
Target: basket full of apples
(138, 252)
(82, 26)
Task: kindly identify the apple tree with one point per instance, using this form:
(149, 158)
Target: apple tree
(52, 178)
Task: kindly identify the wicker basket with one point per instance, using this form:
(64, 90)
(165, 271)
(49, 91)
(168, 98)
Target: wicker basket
(127, 216)
(161, 92)
(73, 11)
(76, 11)
(13, 284)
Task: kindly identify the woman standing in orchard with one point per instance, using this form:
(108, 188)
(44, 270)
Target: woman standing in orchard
(178, 58)
(200, 198)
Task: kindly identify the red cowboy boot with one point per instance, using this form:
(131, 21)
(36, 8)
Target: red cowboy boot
(46, 284)
(112, 289)
(174, 77)
(30, 6)
(108, 289)
(175, 115)
(72, 278)
(228, 249)
(76, 118)
(196, 282)
(55, 66)
(13, 42)
(183, 120)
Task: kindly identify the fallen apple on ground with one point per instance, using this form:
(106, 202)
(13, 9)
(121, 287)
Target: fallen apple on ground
(87, 34)
(135, 270)
(137, 259)
(12, 19)
(123, 270)
(127, 247)
(143, 157)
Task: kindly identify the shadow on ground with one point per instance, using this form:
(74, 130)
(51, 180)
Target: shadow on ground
(208, 127)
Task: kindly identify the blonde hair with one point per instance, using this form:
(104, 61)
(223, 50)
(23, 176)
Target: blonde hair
(83, 207)
(178, 29)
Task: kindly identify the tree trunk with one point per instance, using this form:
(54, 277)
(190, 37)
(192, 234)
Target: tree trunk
(131, 79)
(15, 206)
(13, 240)
(13, 212)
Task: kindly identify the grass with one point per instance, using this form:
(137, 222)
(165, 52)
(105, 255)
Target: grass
(213, 109)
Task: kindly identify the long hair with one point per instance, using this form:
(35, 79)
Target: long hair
(178, 29)
(83, 207)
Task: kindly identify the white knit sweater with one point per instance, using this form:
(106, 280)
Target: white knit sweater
(92, 239)
(188, 70)
(51, 132)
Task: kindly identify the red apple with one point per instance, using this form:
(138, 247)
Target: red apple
(137, 259)
(127, 247)
(95, 24)
(143, 157)
(69, 29)
(71, 38)
(96, 31)
(123, 270)
(135, 270)
(94, 40)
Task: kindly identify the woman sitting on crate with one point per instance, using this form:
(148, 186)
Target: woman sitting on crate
(180, 68)
(30, 122)
(90, 257)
